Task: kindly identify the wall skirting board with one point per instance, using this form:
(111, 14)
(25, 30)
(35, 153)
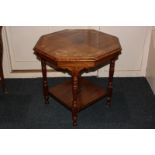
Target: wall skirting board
(13, 47)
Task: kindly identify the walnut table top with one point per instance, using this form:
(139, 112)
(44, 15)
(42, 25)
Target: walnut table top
(78, 45)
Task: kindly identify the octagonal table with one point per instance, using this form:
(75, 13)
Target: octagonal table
(77, 51)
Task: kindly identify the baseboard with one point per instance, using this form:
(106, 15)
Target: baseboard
(151, 83)
(35, 74)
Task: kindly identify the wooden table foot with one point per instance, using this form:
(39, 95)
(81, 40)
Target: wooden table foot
(45, 83)
(74, 118)
(75, 89)
(46, 100)
(110, 80)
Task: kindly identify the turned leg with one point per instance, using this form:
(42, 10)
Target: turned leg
(45, 83)
(75, 85)
(109, 89)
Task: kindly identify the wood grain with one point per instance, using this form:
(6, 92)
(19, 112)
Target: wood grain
(77, 45)
(77, 51)
(88, 94)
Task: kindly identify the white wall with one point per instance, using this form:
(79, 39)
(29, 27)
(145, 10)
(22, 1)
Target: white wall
(135, 42)
(150, 74)
(19, 42)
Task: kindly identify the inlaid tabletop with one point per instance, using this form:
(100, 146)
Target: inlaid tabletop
(77, 44)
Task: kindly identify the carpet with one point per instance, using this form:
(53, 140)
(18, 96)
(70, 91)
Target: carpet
(133, 106)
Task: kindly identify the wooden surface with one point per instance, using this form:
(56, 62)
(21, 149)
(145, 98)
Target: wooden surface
(110, 79)
(83, 46)
(78, 44)
(77, 51)
(87, 94)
